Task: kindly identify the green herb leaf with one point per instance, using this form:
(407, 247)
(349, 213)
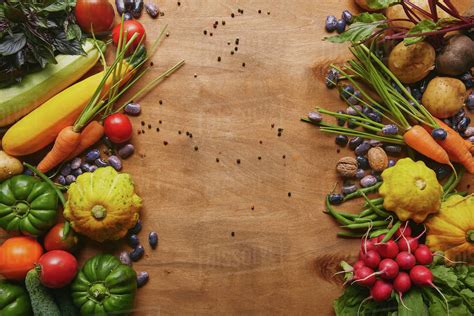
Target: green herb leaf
(57, 6)
(348, 303)
(381, 4)
(445, 275)
(468, 297)
(436, 305)
(363, 27)
(11, 44)
(73, 31)
(414, 301)
(422, 27)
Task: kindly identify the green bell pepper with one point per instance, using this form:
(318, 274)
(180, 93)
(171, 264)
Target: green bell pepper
(27, 205)
(14, 300)
(104, 286)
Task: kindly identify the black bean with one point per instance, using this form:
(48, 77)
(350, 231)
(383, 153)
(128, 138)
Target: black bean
(354, 142)
(153, 239)
(137, 228)
(137, 253)
(137, 8)
(142, 279)
(133, 241)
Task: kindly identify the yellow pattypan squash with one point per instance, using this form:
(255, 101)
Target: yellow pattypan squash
(102, 205)
(452, 229)
(411, 190)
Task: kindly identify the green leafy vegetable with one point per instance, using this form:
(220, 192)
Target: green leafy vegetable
(422, 27)
(363, 27)
(381, 4)
(414, 304)
(32, 33)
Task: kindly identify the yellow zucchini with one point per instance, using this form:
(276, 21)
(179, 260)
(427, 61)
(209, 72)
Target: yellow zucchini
(40, 128)
(36, 88)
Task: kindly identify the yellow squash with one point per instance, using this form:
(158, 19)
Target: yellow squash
(40, 128)
(452, 229)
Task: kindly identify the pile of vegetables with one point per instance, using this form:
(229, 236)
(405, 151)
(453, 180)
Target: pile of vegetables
(408, 92)
(45, 48)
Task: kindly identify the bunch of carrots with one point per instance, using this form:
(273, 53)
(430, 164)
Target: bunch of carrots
(398, 107)
(124, 72)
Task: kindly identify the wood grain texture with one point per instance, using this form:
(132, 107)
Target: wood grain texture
(249, 237)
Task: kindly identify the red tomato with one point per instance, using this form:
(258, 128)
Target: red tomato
(58, 268)
(94, 15)
(54, 239)
(130, 27)
(18, 255)
(118, 128)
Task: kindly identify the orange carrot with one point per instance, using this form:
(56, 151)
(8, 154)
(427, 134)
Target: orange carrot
(456, 147)
(469, 146)
(90, 135)
(66, 142)
(421, 141)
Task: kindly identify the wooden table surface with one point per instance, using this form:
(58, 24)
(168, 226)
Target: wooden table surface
(232, 181)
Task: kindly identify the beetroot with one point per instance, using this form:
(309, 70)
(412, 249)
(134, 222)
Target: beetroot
(405, 260)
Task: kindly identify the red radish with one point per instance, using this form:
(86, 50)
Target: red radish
(388, 269)
(367, 245)
(364, 276)
(422, 276)
(405, 231)
(409, 244)
(371, 259)
(423, 255)
(359, 264)
(388, 249)
(402, 283)
(405, 260)
(381, 291)
(378, 239)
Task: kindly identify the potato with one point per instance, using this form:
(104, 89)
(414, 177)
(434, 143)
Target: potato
(457, 57)
(444, 96)
(397, 12)
(412, 63)
(9, 166)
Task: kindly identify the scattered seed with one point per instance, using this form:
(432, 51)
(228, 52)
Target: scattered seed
(232, 15)
(179, 3)
(217, 159)
(238, 161)
(219, 59)
(232, 234)
(165, 143)
(289, 194)
(196, 148)
(205, 32)
(160, 102)
(243, 64)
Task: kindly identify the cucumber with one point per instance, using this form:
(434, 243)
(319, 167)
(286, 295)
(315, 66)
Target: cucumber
(42, 301)
(36, 88)
(64, 301)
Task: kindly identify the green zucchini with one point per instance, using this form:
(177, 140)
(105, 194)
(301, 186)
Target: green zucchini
(42, 301)
(20, 99)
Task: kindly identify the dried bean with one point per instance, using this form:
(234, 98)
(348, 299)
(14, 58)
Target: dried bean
(137, 253)
(360, 173)
(363, 162)
(124, 257)
(469, 131)
(142, 278)
(137, 8)
(77, 172)
(70, 179)
(315, 117)
(133, 109)
(92, 155)
(133, 241)
(362, 149)
(354, 110)
(120, 5)
(126, 151)
(152, 10)
(336, 199)
(393, 149)
(76, 163)
(331, 22)
(153, 239)
(115, 162)
(99, 162)
(354, 142)
(61, 180)
(137, 228)
(368, 181)
(66, 170)
(348, 189)
(347, 16)
(93, 168)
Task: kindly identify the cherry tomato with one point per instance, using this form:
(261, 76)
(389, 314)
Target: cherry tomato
(57, 268)
(130, 27)
(18, 255)
(94, 15)
(118, 128)
(54, 239)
